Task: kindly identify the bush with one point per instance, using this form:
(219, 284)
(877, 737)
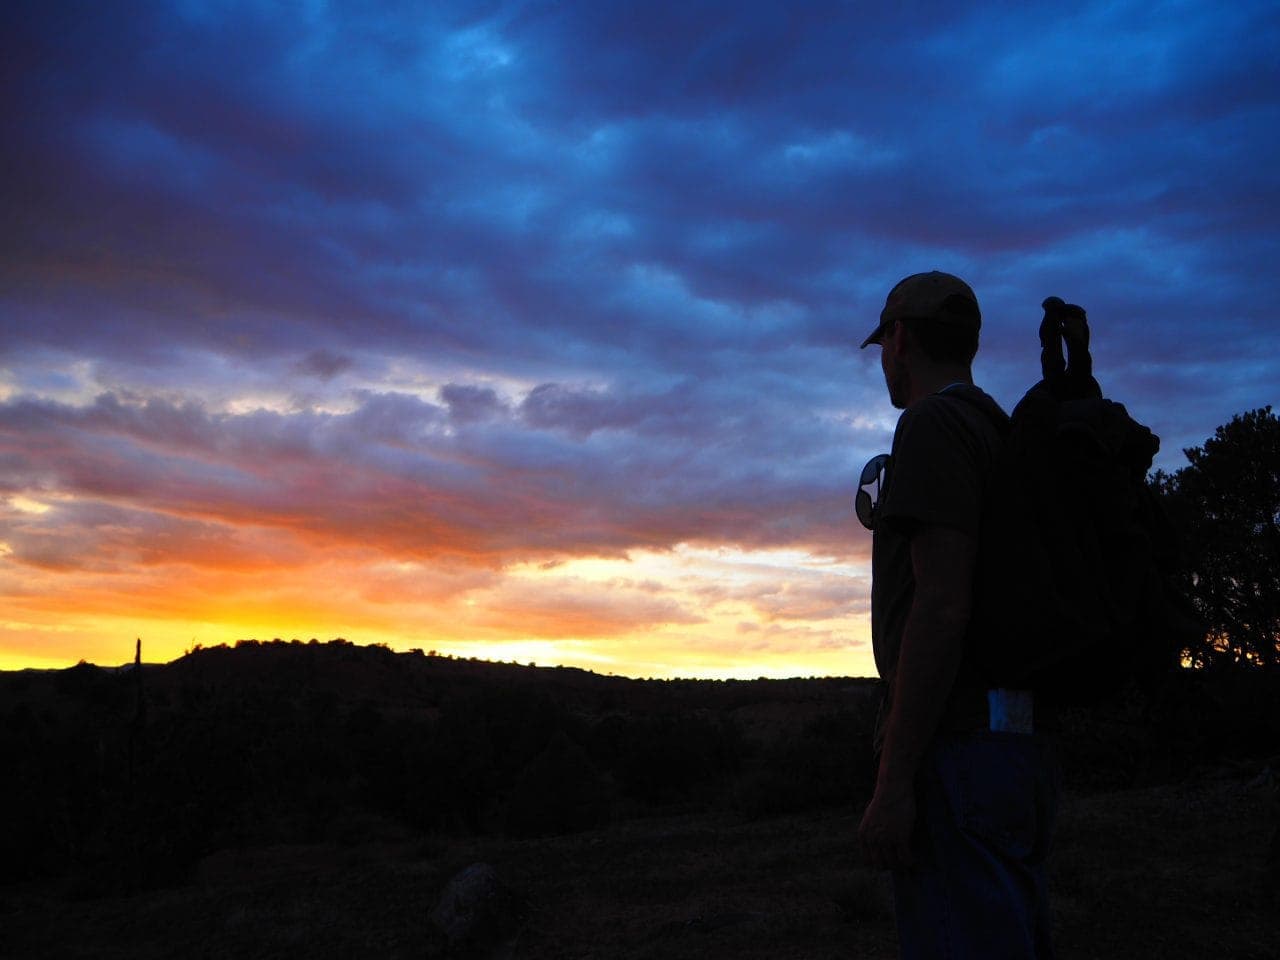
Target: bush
(829, 763)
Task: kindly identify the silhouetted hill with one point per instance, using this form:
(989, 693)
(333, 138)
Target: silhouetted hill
(121, 778)
(125, 778)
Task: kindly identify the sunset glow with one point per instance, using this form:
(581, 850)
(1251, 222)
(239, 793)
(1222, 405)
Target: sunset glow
(531, 333)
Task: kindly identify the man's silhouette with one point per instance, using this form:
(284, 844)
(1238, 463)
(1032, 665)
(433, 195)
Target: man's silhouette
(966, 789)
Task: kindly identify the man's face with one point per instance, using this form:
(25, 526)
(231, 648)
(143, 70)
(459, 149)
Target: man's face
(893, 363)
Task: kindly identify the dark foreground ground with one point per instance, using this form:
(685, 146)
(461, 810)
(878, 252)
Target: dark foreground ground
(1175, 871)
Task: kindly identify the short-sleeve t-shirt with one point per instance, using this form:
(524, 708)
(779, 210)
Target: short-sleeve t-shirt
(943, 451)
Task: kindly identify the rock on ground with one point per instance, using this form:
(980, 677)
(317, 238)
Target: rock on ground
(478, 914)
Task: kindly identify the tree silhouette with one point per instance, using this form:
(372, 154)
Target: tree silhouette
(1226, 505)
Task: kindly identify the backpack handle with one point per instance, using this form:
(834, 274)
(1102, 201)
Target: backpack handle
(1071, 376)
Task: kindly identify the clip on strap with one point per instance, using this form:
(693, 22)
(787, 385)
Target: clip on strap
(1010, 711)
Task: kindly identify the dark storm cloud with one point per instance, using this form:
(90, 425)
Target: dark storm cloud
(689, 134)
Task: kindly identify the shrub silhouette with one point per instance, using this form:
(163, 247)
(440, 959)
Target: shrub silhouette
(668, 759)
(1226, 506)
(829, 763)
(559, 791)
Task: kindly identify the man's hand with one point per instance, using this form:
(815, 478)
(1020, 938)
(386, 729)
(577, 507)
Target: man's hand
(885, 831)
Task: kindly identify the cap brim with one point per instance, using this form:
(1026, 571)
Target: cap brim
(874, 336)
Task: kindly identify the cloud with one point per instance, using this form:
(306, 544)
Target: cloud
(828, 598)
(475, 482)
(324, 364)
(98, 536)
(561, 607)
(470, 404)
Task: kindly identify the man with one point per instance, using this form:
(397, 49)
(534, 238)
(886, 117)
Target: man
(965, 791)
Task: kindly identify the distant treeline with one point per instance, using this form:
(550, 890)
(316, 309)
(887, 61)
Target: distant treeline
(119, 780)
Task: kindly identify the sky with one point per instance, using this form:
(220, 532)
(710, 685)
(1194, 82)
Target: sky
(529, 331)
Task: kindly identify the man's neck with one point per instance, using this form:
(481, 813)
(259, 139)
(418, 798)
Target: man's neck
(933, 379)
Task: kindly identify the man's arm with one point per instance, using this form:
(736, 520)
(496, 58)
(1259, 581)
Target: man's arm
(942, 561)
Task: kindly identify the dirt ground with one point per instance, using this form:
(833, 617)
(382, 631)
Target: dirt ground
(1171, 872)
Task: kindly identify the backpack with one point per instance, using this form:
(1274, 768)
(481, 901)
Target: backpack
(1076, 559)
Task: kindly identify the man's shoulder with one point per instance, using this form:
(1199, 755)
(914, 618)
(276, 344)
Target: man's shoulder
(956, 411)
(972, 400)
(943, 452)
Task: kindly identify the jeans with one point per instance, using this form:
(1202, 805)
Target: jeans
(976, 888)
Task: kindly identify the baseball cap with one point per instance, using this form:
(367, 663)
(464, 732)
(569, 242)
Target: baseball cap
(928, 296)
